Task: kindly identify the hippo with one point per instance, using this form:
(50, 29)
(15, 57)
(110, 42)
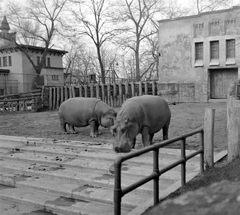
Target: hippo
(81, 112)
(146, 115)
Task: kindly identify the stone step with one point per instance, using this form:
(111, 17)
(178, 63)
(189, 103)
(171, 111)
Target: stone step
(54, 203)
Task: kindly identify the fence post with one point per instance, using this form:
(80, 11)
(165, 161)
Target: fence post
(209, 137)
(97, 91)
(50, 98)
(140, 88)
(120, 94)
(132, 87)
(146, 88)
(153, 88)
(233, 125)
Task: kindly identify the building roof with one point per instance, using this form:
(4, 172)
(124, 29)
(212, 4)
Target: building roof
(201, 14)
(4, 25)
(32, 48)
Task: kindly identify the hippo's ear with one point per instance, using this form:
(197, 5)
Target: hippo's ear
(112, 113)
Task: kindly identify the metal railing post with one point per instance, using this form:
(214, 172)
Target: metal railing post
(117, 186)
(201, 140)
(183, 164)
(156, 179)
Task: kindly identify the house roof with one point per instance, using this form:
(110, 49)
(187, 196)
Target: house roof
(5, 25)
(32, 48)
(200, 14)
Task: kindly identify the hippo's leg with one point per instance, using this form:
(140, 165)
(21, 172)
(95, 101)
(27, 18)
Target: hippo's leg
(93, 128)
(96, 131)
(151, 138)
(63, 127)
(165, 130)
(134, 142)
(145, 137)
(72, 129)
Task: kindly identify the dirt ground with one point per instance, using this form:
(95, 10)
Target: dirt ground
(185, 118)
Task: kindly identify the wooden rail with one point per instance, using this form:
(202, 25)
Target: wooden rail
(21, 102)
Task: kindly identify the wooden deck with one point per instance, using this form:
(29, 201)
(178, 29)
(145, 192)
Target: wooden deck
(69, 177)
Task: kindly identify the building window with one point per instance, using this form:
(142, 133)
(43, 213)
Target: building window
(38, 60)
(198, 54)
(4, 61)
(199, 51)
(230, 48)
(48, 62)
(9, 60)
(55, 77)
(0, 62)
(230, 52)
(214, 50)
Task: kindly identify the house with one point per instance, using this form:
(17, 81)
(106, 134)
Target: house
(199, 55)
(17, 74)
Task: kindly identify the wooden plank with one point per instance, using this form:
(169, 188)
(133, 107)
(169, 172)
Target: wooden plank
(120, 94)
(114, 94)
(62, 95)
(132, 88)
(153, 88)
(91, 90)
(80, 91)
(97, 91)
(146, 88)
(140, 88)
(50, 99)
(109, 94)
(54, 98)
(73, 91)
(58, 97)
(209, 119)
(85, 90)
(66, 93)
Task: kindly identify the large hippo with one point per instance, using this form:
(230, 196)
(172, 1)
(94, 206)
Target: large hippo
(80, 112)
(141, 114)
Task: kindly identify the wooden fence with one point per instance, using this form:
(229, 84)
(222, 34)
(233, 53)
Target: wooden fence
(30, 101)
(113, 94)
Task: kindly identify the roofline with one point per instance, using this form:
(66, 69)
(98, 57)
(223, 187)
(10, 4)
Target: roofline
(34, 48)
(200, 14)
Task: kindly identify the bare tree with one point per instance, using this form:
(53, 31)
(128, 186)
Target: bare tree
(211, 5)
(90, 20)
(36, 24)
(136, 16)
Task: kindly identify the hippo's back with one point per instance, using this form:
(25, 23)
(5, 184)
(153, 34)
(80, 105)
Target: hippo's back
(77, 111)
(155, 111)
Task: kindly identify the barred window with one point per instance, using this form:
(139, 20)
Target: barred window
(214, 50)
(230, 48)
(199, 51)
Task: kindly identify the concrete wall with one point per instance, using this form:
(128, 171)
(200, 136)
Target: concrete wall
(177, 64)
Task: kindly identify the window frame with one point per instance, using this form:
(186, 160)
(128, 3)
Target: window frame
(199, 54)
(5, 60)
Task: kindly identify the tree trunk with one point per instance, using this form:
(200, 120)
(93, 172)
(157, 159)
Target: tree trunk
(101, 65)
(137, 62)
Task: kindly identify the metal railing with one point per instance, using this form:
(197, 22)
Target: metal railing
(119, 192)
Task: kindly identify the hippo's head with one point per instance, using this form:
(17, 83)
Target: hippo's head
(124, 132)
(107, 119)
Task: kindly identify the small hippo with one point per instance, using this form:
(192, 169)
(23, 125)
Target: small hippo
(80, 112)
(146, 115)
